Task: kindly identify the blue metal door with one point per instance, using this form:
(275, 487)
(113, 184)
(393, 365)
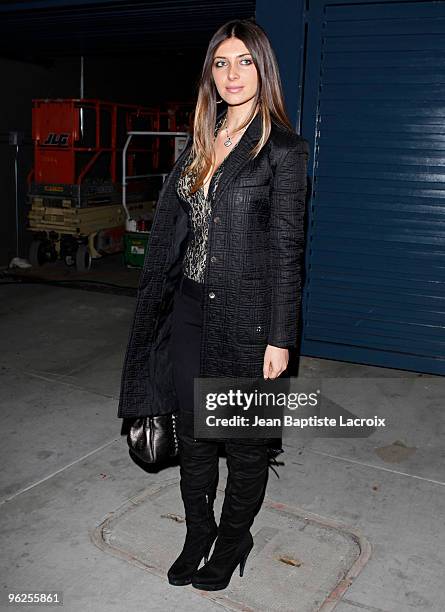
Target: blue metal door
(374, 104)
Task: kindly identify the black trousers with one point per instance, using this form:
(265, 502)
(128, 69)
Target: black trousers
(186, 347)
(186, 350)
(247, 461)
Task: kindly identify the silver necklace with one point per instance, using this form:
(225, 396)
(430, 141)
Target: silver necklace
(228, 142)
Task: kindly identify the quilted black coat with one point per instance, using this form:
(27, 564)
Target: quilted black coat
(252, 283)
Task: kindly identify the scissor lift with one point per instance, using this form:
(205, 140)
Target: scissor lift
(75, 186)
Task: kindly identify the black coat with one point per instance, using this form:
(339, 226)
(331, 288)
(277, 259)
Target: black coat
(252, 283)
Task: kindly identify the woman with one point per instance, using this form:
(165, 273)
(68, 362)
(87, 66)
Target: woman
(220, 290)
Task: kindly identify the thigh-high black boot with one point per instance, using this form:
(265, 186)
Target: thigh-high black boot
(199, 480)
(246, 486)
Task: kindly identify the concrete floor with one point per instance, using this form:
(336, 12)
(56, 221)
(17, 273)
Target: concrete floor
(65, 466)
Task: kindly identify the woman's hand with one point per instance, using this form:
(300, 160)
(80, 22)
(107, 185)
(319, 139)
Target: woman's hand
(275, 361)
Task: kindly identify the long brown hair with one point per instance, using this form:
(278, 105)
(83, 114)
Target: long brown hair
(269, 99)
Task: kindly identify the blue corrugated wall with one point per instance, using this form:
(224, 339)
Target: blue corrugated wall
(371, 96)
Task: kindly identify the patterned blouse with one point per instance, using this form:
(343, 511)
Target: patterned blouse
(199, 209)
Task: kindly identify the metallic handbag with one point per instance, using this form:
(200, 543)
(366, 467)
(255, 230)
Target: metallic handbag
(153, 439)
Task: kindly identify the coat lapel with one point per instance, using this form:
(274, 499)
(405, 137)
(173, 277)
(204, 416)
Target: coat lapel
(238, 158)
(233, 164)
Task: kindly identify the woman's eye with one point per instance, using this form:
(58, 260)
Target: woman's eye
(220, 63)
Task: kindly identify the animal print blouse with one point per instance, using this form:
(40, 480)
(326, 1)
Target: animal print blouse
(199, 209)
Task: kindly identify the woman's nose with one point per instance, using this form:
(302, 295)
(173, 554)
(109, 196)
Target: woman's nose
(233, 72)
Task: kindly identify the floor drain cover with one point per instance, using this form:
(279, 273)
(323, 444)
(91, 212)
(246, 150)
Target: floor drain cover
(300, 562)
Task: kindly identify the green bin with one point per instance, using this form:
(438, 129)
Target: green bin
(135, 245)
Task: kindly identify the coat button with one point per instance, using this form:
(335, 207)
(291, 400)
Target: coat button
(211, 295)
(213, 259)
(217, 220)
(258, 329)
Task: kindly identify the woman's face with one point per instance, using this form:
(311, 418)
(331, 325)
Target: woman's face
(234, 72)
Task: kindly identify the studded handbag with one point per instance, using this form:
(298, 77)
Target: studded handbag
(153, 439)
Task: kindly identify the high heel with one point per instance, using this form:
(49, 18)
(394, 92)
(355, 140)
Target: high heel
(242, 563)
(244, 494)
(217, 573)
(199, 479)
(182, 570)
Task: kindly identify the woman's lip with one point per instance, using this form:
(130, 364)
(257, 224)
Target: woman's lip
(234, 89)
